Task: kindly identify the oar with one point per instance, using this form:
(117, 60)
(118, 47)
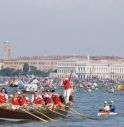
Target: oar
(84, 116)
(80, 114)
(43, 120)
(45, 115)
(67, 111)
(58, 113)
(42, 113)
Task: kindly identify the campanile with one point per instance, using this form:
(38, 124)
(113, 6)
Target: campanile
(6, 50)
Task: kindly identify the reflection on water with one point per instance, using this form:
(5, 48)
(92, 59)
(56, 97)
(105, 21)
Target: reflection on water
(86, 103)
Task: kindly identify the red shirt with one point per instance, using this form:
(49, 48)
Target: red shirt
(15, 100)
(22, 101)
(56, 99)
(2, 98)
(47, 100)
(37, 100)
(67, 84)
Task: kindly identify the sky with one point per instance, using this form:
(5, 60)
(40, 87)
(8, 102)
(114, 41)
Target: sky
(62, 27)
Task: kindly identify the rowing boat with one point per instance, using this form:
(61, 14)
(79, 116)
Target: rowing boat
(106, 113)
(15, 115)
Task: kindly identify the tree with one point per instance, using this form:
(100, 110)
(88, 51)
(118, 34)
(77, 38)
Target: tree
(33, 70)
(10, 72)
(25, 68)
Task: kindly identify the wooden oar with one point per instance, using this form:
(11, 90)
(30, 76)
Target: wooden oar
(67, 111)
(41, 113)
(84, 116)
(43, 120)
(58, 113)
(44, 115)
(80, 114)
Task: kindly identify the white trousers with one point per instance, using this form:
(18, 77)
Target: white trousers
(67, 95)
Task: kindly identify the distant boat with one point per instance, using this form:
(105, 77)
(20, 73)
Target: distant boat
(2, 83)
(111, 90)
(106, 113)
(28, 92)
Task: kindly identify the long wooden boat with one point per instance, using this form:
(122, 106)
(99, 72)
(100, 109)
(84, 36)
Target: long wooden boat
(15, 115)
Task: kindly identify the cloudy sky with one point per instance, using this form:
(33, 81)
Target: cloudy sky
(63, 27)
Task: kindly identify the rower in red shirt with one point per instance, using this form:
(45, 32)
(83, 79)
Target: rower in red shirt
(67, 89)
(23, 100)
(3, 96)
(36, 99)
(15, 100)
(47, 98)
(56, 99)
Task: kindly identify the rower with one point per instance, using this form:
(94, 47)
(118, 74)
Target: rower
(47, 99)
(56, 100)
(67, 89)
(23, 100)
(112, 106)
(36, 99)
(3, 96)
(106, 107)
(15, 100)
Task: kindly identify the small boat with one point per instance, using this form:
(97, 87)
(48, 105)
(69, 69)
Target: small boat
(3, 83)
(106, 113)
(111, 90)
(13, 85)
(28, 92)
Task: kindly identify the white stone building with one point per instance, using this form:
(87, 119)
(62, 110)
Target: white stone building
(112, 69)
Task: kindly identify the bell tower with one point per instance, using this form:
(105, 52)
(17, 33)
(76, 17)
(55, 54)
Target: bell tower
(6, 50)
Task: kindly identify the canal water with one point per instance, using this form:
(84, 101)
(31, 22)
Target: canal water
(86, 103)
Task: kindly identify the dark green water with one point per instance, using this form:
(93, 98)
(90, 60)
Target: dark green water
(86, 103)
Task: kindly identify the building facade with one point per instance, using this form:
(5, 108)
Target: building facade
(43, 63)
(83, 66)
(112, 69)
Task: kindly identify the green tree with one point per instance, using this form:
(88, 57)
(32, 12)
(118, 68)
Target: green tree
(33, 70)
(25, 69)
(10, 72)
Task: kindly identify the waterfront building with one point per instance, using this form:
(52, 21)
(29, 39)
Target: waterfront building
(88, 68)
(82, 66)
(43, 63)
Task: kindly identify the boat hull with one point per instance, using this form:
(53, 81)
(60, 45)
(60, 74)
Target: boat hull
(106, 113)
(21, 115)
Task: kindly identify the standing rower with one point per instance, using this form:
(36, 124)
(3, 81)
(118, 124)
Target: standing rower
(67, 89)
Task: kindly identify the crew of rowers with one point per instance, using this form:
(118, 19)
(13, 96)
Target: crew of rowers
(48, 98)
(17, 99)
(108, 107)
